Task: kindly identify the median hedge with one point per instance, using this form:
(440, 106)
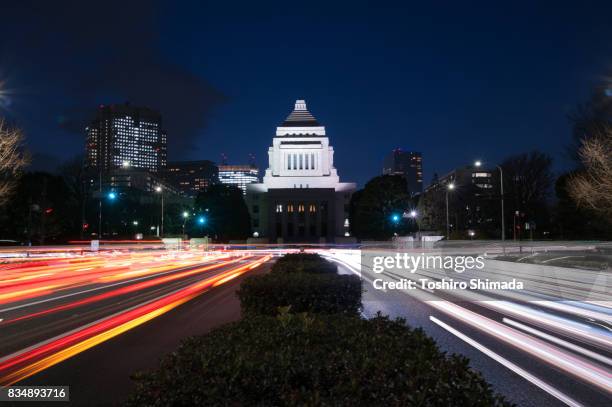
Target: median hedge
(304, 263)
(303, 292)
(296, 360)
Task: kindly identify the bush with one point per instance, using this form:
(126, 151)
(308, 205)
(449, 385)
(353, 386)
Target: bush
(304, 262)
(296, 360)
(304, 292)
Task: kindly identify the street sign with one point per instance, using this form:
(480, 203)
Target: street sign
(95, 245)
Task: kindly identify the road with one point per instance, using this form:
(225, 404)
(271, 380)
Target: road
(54, 308)
(546, 345)
(89, 320)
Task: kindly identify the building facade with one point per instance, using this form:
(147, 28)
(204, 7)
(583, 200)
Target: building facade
(301, 198)
(143, 181)
(191, 177)
(473, 201)
(238, 175)
(406, 163)
(126, 136)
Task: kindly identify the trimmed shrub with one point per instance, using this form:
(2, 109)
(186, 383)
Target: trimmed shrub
(296, 360)
(304, 262)
(303, 292)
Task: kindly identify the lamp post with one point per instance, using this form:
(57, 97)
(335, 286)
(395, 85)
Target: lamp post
(100, 206)
(185, 216)
(477, 164)
(449, 187)
(111, 197)
(413, 215)
(160, 190)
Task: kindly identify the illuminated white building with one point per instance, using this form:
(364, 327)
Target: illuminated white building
(238, 175)
(126, 136)
(301, 197)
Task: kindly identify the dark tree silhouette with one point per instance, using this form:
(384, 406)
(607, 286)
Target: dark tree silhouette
(374, 206)
(227, 216)
(528, 180)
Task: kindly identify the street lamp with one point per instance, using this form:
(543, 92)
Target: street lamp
(478, 163)
(413, 215)
(449, 187)
(160, 190)
(185, 216)
(135, 223)
(111, 197)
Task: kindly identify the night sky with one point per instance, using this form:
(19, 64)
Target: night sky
(455, 80)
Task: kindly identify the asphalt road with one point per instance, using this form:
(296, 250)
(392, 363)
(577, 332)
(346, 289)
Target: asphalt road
(535, 350)
(140, 348)
(92, 327)
(91, 321)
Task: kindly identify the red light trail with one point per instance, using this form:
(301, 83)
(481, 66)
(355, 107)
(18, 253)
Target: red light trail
(76, 284)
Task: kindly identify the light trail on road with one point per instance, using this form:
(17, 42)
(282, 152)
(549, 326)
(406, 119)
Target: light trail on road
(574, 336)
(111, 294)
(55, 307)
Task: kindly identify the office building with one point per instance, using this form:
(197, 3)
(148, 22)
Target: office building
(238, 175)
(191, 177)
(408, 164)
(126, 136)
(473, 200)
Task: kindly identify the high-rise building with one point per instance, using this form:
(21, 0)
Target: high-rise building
(301, 198)
(191, 177)
(238, 175)
(126, 136)
(406, 163)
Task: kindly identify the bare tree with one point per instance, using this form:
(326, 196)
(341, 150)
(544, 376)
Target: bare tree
(12, 159)
(593, 187)
(593, 117)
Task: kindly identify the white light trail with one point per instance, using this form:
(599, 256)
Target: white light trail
(558, 341)
(505, 362)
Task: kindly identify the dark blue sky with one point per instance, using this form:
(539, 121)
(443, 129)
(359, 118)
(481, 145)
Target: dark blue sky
(455, 80)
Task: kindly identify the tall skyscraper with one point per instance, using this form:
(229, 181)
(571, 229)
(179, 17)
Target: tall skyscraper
(191, 177)
(238, 175)
(406, 163)
(126, 136)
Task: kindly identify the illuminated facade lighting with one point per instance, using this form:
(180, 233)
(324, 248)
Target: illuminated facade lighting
(126, 136)
(238, 175)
